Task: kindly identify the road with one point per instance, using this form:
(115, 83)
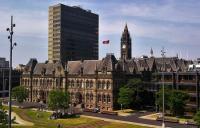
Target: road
(135, 118)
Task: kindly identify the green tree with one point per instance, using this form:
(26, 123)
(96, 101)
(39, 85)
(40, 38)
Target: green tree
(58, 100)
(175, 101)
(197, 118)
(159, 99)
(139, 99)
(3, 117)
(20, 93)
(125, 96)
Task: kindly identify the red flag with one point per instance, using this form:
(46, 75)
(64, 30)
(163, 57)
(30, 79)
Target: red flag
(106, 42)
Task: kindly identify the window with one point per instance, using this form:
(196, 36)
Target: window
(99, 97)
(108, 85)
(104, 98)
(87, 84)
(99, 85)
(77, 83)
(91, 97)
(87, 97)
(108, 98)
(36, 82)
(91, 84)
(69, 83)
(103, 85)
(72, 83)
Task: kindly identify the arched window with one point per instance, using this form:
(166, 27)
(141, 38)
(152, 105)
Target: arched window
(91, 97)
(47, 82)
(87, 97)
(99, 85)
(50, 82)
(36, 82)
(104, 98)
(87, 84)
(33, 82)
(99, 97)
(81, 84)
(72, 83)
(72, 95)
(77, 84)
(91, 84)
(108, 85)
(103, 85)
(40, 81)
(69, 83)
(43, 82)
(108, 98)
(27, 82)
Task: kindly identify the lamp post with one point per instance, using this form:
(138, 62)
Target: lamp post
(10, 37)
(163, 110)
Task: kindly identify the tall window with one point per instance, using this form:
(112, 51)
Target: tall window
(72, 83)
(104, 98)
(108, 98)
(91, 97)
(77, 84)
(69, 83)
(36, 82)
(108, 85)
(99, 97)
(87, 97)
(87, 84)
(99, 85)
(103, 85)
(91, 84)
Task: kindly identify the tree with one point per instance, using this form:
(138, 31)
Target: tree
(159, 99)
(175, 101)
(58, 100)
(136, 85)
(125, 96)
(20, 93)
(197, 118)
(3, 117)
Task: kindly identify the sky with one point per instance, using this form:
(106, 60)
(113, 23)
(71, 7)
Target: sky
(172, 24)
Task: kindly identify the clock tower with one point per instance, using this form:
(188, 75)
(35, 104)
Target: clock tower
(126, 44)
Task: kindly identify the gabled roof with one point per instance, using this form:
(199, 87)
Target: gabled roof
(29, 67)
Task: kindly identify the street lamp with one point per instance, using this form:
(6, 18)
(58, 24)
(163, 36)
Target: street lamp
(163, 112)
(10, 37)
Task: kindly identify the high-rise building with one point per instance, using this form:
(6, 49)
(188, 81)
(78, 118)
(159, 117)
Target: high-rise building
(126, 44)
(73, 34)
(4, 63)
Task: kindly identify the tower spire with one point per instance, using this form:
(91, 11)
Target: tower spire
(151, 52)
(126, 44)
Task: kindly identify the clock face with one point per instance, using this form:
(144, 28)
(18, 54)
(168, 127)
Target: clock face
(123, 46)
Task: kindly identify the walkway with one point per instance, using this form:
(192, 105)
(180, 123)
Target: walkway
(20, 121)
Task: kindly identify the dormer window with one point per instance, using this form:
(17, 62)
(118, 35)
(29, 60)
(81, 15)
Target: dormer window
(43, 71)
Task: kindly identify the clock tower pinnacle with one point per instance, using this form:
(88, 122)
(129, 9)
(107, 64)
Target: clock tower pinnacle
(126, 44)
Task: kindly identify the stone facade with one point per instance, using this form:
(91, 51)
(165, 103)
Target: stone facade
(95, 83)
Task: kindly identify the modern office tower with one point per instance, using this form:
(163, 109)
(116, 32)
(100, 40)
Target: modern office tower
(73, 34)
(4, 63)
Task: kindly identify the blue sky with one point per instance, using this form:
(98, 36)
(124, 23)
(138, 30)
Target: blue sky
(173, 24)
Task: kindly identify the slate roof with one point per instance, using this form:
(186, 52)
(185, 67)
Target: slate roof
(109, 63)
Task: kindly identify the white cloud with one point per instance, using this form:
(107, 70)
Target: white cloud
(30, 23)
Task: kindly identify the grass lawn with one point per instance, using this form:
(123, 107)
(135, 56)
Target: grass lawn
(43, 122)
